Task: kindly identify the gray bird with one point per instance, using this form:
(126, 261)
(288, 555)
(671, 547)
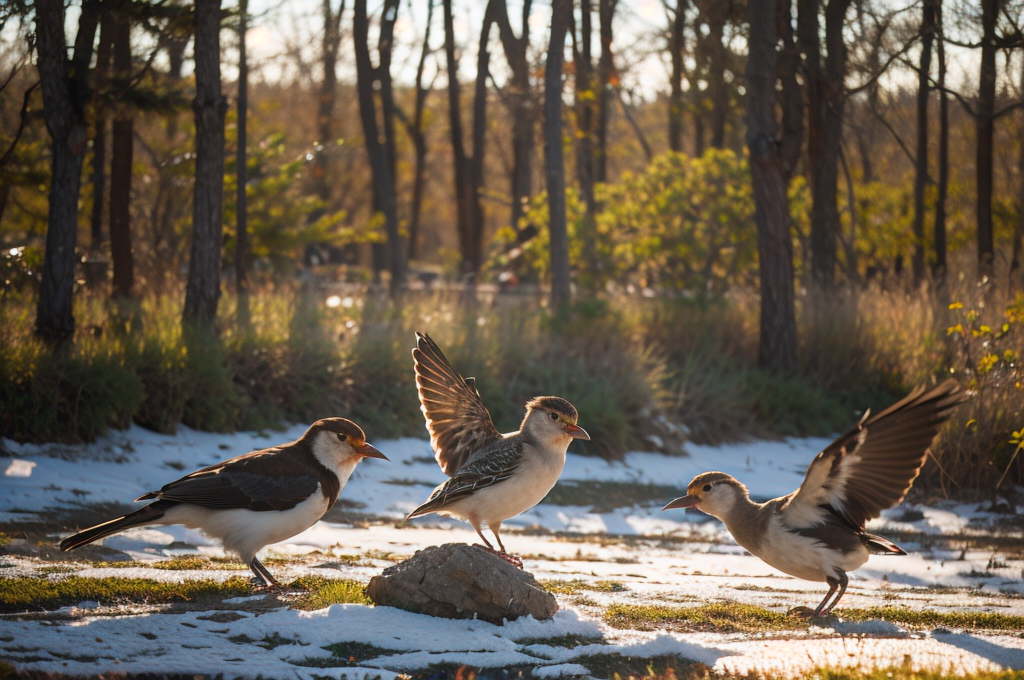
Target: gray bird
(817, 532)
(494, 476)
(253, 500)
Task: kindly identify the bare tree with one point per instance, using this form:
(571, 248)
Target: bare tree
(921, 156)
(768, 168)
(380, 142)
(519, 99)
(985, 122)
(98, 176)
(241, 217)
(716, 14)
(121, 154)
(64, 93)
(939, 264)
(330, 45)
(607, 93)
(554, 165)
(414, 128)
(203, 289)
(586, 99)
(676, 46)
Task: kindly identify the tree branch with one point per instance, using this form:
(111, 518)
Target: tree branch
(23, 119)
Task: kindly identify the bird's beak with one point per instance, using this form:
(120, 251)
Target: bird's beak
(577, 432)
(688, 501)
(367, 451)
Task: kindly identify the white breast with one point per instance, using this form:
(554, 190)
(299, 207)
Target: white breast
(803, 556)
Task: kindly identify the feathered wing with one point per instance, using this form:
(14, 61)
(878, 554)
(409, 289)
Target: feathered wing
(258, 481)
(460, 425)
(492, 466)
(872, 467)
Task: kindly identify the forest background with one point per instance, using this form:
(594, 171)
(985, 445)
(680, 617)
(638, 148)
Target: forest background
(696, 220)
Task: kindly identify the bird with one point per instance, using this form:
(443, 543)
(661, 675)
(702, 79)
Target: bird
(817, 532)
(492, 476)
(253, 500)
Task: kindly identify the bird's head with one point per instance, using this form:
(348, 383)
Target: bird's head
(338, 441)
(552, 419)
(715, 493)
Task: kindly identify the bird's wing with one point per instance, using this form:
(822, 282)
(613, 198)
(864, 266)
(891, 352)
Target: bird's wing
(872, 467)
(257, 481)
(458, 422)
(496, 464)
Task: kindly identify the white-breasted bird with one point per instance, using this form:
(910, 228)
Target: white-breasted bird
(253, 500)
(494, 476)
(817, 532)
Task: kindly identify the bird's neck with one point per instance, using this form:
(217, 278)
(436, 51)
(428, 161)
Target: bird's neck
(746, 521)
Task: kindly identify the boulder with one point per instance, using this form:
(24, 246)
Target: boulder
(459, 581)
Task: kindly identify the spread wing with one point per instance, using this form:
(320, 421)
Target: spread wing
(872, 467)
(459, 423)
(494, 465)
(257, 481)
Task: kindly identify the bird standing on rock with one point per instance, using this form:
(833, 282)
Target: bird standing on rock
(817, 532)
(494, 476)
(253, 500)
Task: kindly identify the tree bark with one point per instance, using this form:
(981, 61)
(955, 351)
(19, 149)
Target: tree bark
(676, 105)
(554, 166)
(521, 108)
(242, 249)
(921, 169)
(378, 143)
(586, 99)
(1016, 277)
(607, 91)
(939, 265)
(209, 106)
(718, 13)
(99, 140)
(326, 98)
(985, 131)
(121, 152)
(65, 88)
(778, 340)
(414, 128)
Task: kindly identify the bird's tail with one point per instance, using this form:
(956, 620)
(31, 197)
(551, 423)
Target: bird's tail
(147, 515)
(881, 546)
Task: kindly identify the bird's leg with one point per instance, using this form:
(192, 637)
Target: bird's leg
(807, 612)
(844, 581)
(480, 533)
(514, 560)
(263, 575)
(511, 559)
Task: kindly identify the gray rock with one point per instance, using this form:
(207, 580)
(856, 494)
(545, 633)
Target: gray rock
(458, 581)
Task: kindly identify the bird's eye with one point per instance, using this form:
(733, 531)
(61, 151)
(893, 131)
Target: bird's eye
(342, 436)
(554, 416)
(707, 487)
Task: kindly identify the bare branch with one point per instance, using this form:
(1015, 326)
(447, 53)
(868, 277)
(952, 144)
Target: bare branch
(23, 119)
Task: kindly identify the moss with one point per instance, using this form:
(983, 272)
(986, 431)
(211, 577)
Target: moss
(323, 592)
(578, 585)
(34, 594)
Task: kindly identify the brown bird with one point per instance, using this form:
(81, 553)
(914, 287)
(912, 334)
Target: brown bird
(817, 532)
(253, 500)
(494, 476)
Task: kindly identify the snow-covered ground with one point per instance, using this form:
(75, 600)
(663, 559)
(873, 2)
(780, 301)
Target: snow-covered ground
(655, 557)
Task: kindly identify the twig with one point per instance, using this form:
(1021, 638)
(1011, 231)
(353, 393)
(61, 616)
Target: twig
(21, 124)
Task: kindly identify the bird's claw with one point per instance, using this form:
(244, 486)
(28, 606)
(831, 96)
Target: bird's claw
(801, 613)
(514, 560)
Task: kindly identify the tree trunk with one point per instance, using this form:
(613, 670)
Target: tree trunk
(554, 166)
(676, 45)
(1016, 277)
(378, 145)
(985, 130)
(607, 92)
(242, 249)
(325, 101)
(939, 265)
(122, 140)
(64, 91)
(791, 96)
(778, 340)
(921, 169)
(419, 139)
(99, 140)
(718, 89)
(825, 100)
(521, 108)
(203, 290)
(476, 161)
(586, 98)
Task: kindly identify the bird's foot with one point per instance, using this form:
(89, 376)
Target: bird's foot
(260, 586)
(514, 560)
(801, 613)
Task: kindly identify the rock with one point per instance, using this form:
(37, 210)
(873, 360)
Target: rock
(459, 581)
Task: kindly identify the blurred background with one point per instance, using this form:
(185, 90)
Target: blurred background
(699, 220)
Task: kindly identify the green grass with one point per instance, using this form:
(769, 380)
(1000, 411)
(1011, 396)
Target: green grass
(35, 594)
(745, 618)
(323, 592)
(607, 496)
(576, 586)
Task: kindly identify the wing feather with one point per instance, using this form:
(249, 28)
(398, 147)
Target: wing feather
(872, 466)
(460, 425)
(492, 465)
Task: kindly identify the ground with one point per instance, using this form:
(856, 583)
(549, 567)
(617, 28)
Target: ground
(641, 591)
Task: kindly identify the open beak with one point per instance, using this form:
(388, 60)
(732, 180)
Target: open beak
(688, 501)
(577, 432)
(367, 451)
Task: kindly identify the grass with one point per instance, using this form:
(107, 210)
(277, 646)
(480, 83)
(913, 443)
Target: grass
(666, 667)
(745, 618)
(39, 594)
(576, 586)
(323, 592)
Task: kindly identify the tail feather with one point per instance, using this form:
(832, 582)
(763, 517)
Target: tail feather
(881, 546)
(147, 515)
